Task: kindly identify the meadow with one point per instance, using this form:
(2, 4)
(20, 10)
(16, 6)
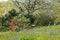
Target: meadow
(40, 33)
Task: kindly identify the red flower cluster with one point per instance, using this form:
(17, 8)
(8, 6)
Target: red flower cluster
(13, 24)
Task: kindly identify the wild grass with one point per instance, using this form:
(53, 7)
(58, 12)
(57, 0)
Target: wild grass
(42, 33)
(6, 35)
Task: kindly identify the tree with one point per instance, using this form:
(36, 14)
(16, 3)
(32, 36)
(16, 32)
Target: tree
(34, 10)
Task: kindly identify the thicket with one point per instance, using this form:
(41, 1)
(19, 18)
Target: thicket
(31, 14)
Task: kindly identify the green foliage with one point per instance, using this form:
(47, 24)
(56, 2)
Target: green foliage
(30, 12)
(6, 20)
(37, 11)
(22, 21)
(44, 20)
(56, 9)
(13, 13)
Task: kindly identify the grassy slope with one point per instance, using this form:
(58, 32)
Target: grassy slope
(43, 33)
(4, 6)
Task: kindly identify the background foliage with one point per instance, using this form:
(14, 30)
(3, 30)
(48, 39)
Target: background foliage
(29, 14)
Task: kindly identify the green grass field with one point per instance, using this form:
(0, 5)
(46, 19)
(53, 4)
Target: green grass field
(42, 33)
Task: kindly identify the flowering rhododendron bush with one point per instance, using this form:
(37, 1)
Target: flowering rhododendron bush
(13, 23)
